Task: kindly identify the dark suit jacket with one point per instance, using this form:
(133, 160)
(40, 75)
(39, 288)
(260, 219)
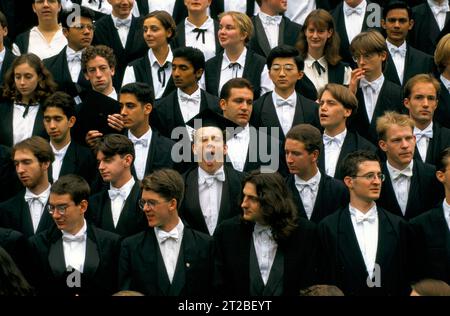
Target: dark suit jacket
(253, 68)
(15, 214)
(416, 62)
(190, 209)
(7, 61)
(100, 266)
(389, 99)
(107, 34)
(343, 264)
(61, 74)
(440, 141)
(8, 175)
(425, 33)
(288, 35)
(131, 221)
(432, 241)
(217, 7)
(140, 268)
(15, 245)
(442, 114)
(424, 191)
(332, 195)
(352, 142)
(233, 240)
(6, 124)
(178, 14)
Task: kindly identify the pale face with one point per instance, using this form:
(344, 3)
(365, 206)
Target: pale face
(298, 159)
(79, 38)
(30, 171)
(134, 113)
(332, 113)
(57, 125)
(238, 107)
(100, 74)
(197, 5)
(26, 80)
(251, 206)
(361, 188)
(121, 8)
(422, 102)
(317, 37)
(155, 35)
(73, 219)
(399, 145)
(372, 64)
(160, 215)
(229, 33)
(113, 169)
(278, 6)
(46, 10)
(210, 148)
(444, 176)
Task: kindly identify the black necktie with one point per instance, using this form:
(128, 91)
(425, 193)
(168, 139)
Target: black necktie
(235, 67)
(27, 107)
(200, 32)
(319, 67)
(162, 73)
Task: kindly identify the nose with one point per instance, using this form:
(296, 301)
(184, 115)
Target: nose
(244, 202)
(101, 166)
(98, 72)
(52, 124)
(19, 168)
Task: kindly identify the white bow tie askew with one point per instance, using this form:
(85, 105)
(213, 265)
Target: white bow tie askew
(428, 133)
(163, 235)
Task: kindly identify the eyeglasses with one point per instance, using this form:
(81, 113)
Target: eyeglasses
(149, 203)
(80, 27)
(365, 56)
(61, 208)
(286, 68)
(372, 176)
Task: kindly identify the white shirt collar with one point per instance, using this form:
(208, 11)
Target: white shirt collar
(179, 229)
(353, 210)
(339, 137)
(127, 186)
(147, 135)
(310, 60)
(62, 151)
(82, 231)
(313, 182)
(153, 59)
(377, 83)
(115, 18)
(362, 5)
(195, 94)
(390, 45)
(428, 128)
(434, 5)
(291, 99)
(208, 24)
(241, 60)
(393, 170)
(45, 193)
(264, 17)
(202, 174)
(113, 94)
(446, 82)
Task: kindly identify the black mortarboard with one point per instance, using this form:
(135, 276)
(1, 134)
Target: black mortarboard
(208, 117)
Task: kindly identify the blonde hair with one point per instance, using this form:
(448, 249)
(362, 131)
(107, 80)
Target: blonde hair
(243, 22)
(368, 42)
(420, 78)
(392, 118)
(342, 94)
(442, 53)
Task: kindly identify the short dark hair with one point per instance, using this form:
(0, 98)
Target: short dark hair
(191, 54)
(396, 5)
(115, 144)
(99, 50)
(351, 162)
(166, 20)
(443, 160)
(237, 83)
(277, 207)
(166, 182)
(84, 12)
(342, 94)
(62, 101)
(285, 51)
(74, 185)
(307, 134)
(142, 91)
(322, 290)
(3, 20)
(38, 146)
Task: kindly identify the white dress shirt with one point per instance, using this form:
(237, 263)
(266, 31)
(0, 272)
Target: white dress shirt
(355, 20)
(23, 126)
(439, 12)
(446, 82)
(210, 195)
(123, 30)
(285, 109)
(401, 181)
(271, 25)
(308, 191)
(130, 77)
(238, 148)
(113, 95)
(265, 248)
(141, 149)
(235, 5)
(118, 202)
(153, 5)
(366, 231)
(189, 104)
(36, 204)
(297, 11)
(74, 247)
(398, 55)
(102, 6)
(74, 63)
(333, 146)
(196, 39)
(320, 80)
(57, 163)
(169, 245)
(371, 91)
(38, 44)
(423, 138)
(446, 209)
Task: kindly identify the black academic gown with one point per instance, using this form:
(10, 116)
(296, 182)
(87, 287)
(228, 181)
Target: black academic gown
(190, 209)
(233, 260)
(440, 141)
(7, 61)
(442, 114)
(352, 142)
(253, 68)
(8, 175)
(15, 214)
(288, 35)
(59, 68)
(6, 124)
(107, 34)
(131, 221)
(332, 195)
(389, 99)
(424, 191)
(99, 275)
(141, 267)
(432, 241)
(178, 14)
(15, 245)
(343, 264)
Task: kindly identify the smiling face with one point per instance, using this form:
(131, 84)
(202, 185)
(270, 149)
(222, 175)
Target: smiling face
(155, 35)
(230, 34)
(317, 36)
(162, 213)
(363, 189)
(121, 8)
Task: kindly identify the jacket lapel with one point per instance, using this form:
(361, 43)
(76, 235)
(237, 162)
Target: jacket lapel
(261, 36)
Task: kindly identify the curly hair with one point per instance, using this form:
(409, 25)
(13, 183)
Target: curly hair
(276, 204)
(46, 85)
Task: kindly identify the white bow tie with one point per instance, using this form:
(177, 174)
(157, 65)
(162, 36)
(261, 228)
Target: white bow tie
(302, 186)
(397, 50)
(163, 235)
(186, 99)
(439, 8)
(272, 20)
(407, 172)
(142, 142)
(350, 11)
(281, 102)
(327, 140)
(368, 85)
(73, 57)
(114, 193)
(126, 22)
(259, 229)
(69, 238)
(209, 179)
(32, 197)
(368, 217)
(428, 133)
(59, 155)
